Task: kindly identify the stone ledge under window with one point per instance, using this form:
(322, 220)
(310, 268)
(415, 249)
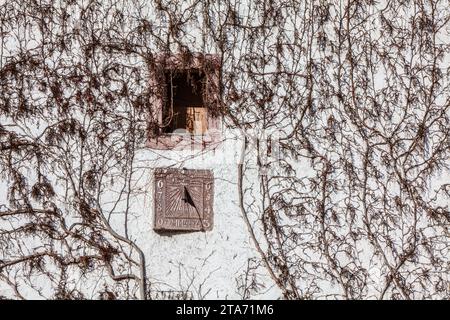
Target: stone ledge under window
(170, 141)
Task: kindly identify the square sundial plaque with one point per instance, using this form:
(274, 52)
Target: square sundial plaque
(183, 199)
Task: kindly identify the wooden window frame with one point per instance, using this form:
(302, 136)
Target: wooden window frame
(208, 63)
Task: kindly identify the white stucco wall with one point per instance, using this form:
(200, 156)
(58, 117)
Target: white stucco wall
(209, 264)
(205, 263)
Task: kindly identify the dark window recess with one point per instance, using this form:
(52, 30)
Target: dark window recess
(184, 108)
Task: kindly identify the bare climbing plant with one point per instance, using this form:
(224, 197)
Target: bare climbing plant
(344, 106)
